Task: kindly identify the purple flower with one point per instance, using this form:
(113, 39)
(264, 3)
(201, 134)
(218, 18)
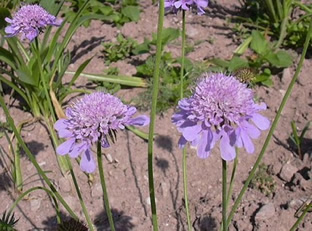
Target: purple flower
(220, 109)
(30, 20)
(175, 5)
(200, 4)
(183, 4)
(92, 119)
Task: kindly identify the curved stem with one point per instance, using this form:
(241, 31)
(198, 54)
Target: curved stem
(188, 216)
(274, 124)
(183, 55)
(58, 214)
(150, 152)
(105, 194)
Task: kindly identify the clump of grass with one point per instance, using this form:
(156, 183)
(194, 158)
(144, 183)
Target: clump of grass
(8, 221)
(263, 180)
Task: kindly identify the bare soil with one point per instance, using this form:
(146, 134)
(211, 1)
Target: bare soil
(126, 162)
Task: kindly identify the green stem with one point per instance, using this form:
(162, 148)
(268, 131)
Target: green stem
(33, 160)
(58, 214)
(18, 176)
(274, 124)
(224, 195)
(183, 55)
(153, 114)
(83, 206)
(105, 194)
(188, 216)
(229, 194)
(307, 209)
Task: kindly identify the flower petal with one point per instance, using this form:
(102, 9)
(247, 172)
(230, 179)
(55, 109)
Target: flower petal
(228, 152)
(251, 130)
(260, 121)
(77, 149)
(65, 147)
(191, 132)
(87, 163)
(140, 121)
(249, 146)
(182, 141)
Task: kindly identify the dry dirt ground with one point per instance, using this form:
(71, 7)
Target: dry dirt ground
(126, 170)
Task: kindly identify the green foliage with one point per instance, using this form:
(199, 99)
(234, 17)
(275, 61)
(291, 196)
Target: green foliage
(108, 87)
(263, 180)
(286, 20)
(113, 11)
(296, 139)
(7, 222)
(121, 49)
(263, 59)
(169, 85)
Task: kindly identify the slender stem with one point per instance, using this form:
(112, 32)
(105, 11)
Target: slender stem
(189, 224)
(105, 194)
(274, 124)
(33, 160)
(307, 209)
(229, 193)
(18, 176)
(224, 195)
(57, 209)
(183, 55)
(83, 206)
(150, 151)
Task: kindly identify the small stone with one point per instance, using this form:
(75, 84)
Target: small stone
(65, 185)
(163, 189)
(266, 212)
(286, 78)
(109, 158)
(295, 203)
(287, 172)
(97, 190)
(35, 204)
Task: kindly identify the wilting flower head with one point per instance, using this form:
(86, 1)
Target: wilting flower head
(30, 20)
(221, 108)
(91, 119)
(174, 5)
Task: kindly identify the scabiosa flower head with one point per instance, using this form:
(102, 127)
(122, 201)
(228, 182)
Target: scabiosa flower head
(221, 108)
(91, 119)
(30, 20)
(174, 5)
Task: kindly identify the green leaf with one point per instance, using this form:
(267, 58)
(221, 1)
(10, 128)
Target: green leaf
(142, 48)
(79, 70)
(132, 12)
(7, 57)
(25, 75)
(121, 79)
(258, 43)
(279, 59)
(168, 35)
(236, 63)
(4, 12)
(220, 62)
